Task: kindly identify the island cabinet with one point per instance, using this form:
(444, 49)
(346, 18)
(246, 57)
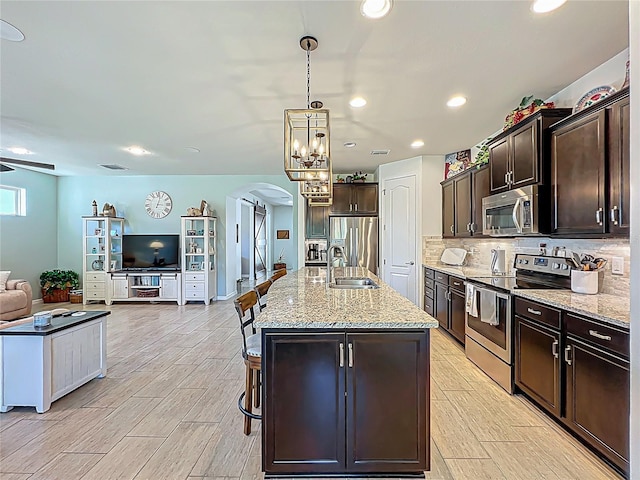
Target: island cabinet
(354, 199)
(590, 162)
(462, 203)
(520, 155)
(577, 368)
(345, 402)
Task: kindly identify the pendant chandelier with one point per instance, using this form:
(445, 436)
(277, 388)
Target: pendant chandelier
(307, 157)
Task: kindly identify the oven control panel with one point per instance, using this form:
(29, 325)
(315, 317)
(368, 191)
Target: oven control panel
(543, 264)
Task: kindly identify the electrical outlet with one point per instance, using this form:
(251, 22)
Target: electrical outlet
(617, 266)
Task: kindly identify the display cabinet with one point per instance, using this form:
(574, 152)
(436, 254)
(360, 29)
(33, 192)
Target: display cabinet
(198, 258)
(101, 254)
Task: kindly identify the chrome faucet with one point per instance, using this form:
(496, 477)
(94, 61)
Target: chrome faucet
(330, 252)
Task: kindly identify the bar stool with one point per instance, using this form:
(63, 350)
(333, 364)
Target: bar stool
(252, 353)
(277, 274)
(261, 292)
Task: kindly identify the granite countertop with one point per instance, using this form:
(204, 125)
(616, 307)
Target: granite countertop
(302, 299)
(612, 309)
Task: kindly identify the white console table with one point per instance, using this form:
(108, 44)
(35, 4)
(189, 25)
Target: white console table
(144, 286)
(40, 365)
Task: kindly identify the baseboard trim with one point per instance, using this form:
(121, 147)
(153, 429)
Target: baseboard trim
(36, 301)
(227, 297)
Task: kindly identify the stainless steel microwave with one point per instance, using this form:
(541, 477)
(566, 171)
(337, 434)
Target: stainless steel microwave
(511, 213)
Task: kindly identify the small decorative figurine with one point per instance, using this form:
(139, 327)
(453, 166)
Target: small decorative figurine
(94, 208)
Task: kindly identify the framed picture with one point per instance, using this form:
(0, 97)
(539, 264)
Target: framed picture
(282, 234)
(114, 264)
(194, 266)
(98, 232)
(191, 233)
(456, 162)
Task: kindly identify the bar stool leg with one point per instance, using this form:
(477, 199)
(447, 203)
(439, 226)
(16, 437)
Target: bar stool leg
(248, 389)
(256, 393)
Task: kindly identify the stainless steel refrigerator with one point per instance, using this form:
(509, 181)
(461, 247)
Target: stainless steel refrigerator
(360, 237)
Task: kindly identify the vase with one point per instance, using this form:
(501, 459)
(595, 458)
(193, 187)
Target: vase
(626, 78)
(359, 180)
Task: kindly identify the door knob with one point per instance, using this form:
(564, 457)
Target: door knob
(408, 263)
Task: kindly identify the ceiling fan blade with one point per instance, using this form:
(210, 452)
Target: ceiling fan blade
(27, 163)
(5, 168)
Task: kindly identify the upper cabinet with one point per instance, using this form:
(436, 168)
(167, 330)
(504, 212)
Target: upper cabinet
(518, 156)
(462, 203)
(355, 199)
(590, 170)
(317, 222)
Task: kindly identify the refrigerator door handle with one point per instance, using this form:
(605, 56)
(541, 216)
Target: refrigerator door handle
(355, 249)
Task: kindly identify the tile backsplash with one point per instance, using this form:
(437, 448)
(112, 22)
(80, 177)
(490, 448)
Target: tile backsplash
(479, 253)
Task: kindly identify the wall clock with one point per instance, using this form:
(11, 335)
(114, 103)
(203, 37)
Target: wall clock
(158, 204)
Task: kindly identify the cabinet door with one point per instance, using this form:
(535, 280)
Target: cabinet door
(537, 363)
(341, 199)
(619, 164)
(365, 198)
(480, 188)
(168, 287)
(387, 401)
(120, 285)
(598, 399)
(457, 314)
(524, 155)
(448, 209)
(578, 176)
(441, 305)
(317, 222)
(462, 205)
(499, 165)
(304, 418)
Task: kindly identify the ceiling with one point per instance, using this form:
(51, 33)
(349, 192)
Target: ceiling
(93, 77)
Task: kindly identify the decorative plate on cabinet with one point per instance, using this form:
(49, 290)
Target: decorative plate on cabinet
(593, 96)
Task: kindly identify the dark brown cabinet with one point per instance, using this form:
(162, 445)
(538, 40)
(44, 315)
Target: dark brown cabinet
(429, 291)
(448, 302)
(519, 156)
(462, 203)
(348, 402)
(317, 222)
(590, 161)
(577, 369)
(355, 199)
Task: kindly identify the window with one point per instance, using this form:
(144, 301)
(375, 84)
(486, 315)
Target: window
(13, 201)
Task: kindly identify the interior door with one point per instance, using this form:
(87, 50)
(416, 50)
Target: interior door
(400, 262)
(260, 241)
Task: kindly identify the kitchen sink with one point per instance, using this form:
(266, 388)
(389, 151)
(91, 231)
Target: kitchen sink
(353, 282)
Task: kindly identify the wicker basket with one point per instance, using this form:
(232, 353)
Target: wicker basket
(75, 297)
(55, 296)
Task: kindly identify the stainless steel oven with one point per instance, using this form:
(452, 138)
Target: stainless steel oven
(488, 341)
(511, 213)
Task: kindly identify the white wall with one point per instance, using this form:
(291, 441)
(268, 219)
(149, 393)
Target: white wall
(432, 175)
(634, 54)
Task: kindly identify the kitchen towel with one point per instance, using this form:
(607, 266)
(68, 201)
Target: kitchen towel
(488, 307)
(471, 300)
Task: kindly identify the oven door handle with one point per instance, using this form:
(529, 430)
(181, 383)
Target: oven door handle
(516, 214)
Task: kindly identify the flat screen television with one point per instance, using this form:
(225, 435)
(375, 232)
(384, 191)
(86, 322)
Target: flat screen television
(150, 252)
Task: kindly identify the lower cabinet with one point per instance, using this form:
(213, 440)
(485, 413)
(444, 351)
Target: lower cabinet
(345, 403)
(449, 303)
(147, 286)
(579, 372)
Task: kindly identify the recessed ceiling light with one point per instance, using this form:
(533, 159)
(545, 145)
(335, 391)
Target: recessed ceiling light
(136, 150)
(456, 101)
(545, 6)
(349, 144)
(192, 149)
(20, 151)
(417, 144)
(357, 102)
(9, 32)
(375, 8)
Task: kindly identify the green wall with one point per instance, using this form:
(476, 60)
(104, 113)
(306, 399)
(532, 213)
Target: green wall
(128, 193)
(29, 245)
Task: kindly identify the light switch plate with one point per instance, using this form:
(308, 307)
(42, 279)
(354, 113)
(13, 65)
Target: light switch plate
(617, 266)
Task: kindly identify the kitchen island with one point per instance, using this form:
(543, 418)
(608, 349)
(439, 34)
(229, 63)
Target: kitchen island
(345, 379)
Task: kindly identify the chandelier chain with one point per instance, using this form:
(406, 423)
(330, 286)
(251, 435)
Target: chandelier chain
(308, 77)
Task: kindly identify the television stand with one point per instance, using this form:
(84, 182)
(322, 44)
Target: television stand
(144, 286)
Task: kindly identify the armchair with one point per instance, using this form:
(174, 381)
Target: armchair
(16, 301)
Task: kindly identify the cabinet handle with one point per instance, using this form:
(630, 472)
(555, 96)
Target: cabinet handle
(451, 228)
(506, 178)
(341, 354)
(593, 333)
(511, 177)
(351, 207)
(566, 355)
(356, 207)
(615, 214)
(350, 355)
(449, 296)
(535, 312)
(599, 216)
(457, 284)
(554, 348)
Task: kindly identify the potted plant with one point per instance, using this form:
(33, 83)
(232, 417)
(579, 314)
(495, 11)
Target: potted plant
(56, 285)
(359, 177)
(339, 179)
